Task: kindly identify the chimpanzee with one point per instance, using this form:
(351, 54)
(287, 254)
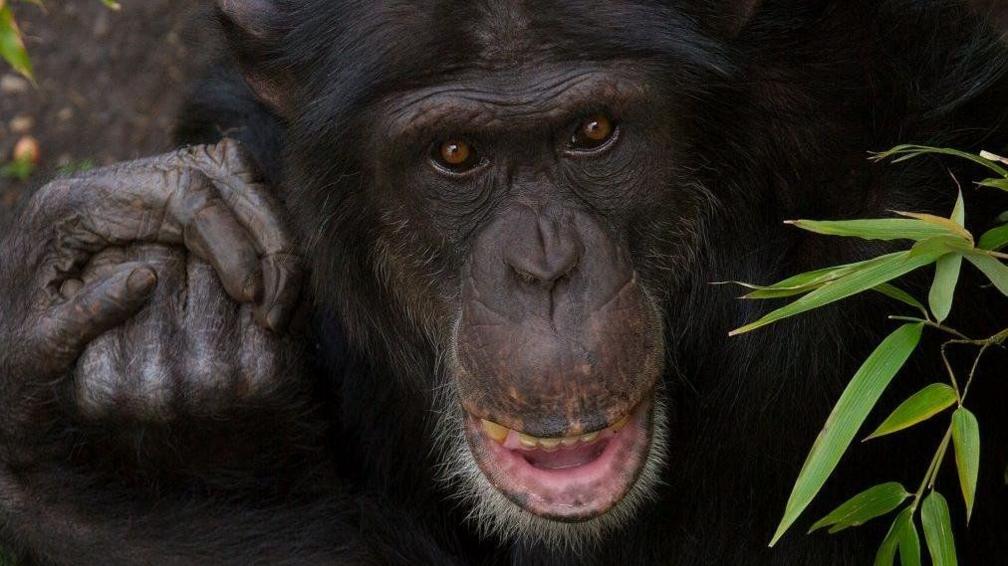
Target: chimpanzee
(429, 283)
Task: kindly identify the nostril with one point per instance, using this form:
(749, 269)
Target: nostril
(545, 254)
(525, 276)
(546, 272)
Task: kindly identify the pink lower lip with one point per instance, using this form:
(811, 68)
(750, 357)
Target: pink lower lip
(567, 484)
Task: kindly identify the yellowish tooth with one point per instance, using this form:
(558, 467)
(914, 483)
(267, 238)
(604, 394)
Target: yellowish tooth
(569, 440)
(527, 441)
(621, 423)
(549, 443)
(589, 437)
(495, 431)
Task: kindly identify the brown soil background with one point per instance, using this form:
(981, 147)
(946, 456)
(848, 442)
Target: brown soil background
(109, 83)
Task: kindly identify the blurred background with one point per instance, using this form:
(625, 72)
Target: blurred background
(108, 85)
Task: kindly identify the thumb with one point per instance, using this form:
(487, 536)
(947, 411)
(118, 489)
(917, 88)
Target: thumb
(67, 328)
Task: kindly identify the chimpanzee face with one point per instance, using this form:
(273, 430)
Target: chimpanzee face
(502, 195)
(530, 190)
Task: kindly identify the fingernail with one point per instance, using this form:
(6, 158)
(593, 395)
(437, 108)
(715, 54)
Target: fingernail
(253, 288)
(141, 280)
(276, 318)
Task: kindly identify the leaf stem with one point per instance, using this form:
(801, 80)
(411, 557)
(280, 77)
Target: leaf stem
(932, 324)
(933, 467)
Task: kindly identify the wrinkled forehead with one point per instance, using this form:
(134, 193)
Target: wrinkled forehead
(382, 48)
(413, 39)
(525, 98)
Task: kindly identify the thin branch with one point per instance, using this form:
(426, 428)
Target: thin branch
(934, 325)
(976, 362)
(932, 467)
(948, 366)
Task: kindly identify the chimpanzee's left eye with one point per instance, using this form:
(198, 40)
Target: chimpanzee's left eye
(593, 133)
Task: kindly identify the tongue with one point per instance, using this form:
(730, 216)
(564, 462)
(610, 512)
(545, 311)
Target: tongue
(562, 458)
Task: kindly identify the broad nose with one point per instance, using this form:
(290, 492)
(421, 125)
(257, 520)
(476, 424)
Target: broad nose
(548, 253)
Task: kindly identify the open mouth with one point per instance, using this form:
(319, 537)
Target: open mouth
(567, 479)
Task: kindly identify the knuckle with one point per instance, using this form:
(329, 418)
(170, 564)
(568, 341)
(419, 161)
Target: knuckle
(125, 373)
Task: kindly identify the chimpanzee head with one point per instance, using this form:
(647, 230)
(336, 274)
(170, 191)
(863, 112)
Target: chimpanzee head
(500, 200)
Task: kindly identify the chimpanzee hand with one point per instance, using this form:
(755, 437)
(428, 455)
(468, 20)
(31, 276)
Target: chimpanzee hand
(91, 252)
(191, 351)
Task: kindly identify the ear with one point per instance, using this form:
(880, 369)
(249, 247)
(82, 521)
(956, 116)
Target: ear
(252, 28)
(735, 15)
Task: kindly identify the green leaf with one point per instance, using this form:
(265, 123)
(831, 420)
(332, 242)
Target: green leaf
(12, 48)
(966, 438)
(869, 504)
(944, 284)
(994, 239)
(850, 284)
(879, 228)
(948, 225)
(847, 416)
(908, 151)
(959, 212)
(887, 550)
(909, 543)
(920, 407)
(894, 292)
(941, 245)
(938, 530)
(994, 183)
(111, 4)
(996, 271)
(808, 281)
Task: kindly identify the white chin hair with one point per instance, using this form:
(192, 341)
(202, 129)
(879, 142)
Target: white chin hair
(496, 516)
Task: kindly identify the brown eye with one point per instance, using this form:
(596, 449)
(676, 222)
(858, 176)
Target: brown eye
(455, 156)
(593, 133)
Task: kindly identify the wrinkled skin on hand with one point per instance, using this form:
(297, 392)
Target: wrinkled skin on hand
(151, 290)
(191, 350)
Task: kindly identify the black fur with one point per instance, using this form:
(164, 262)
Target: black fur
(778, 121)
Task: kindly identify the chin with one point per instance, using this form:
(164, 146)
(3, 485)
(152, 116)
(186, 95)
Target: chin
(565, 493)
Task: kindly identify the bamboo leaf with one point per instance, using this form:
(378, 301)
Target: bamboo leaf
(909, 151)
(12, 48)
(938, 530)
(959, 212)
(948, 225)
(994, 239)
(944, 284)
(808, 281)
(851, 284)
(869, 504)
(847, 416)
(805, 282)
(920, 407)
(881, 228)
(909, 542)
(887, 550)
(966, 438)
(994, 183)
(941, 245)
(996, 271)
(894, 292)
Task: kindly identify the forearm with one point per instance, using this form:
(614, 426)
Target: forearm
(56, 517)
